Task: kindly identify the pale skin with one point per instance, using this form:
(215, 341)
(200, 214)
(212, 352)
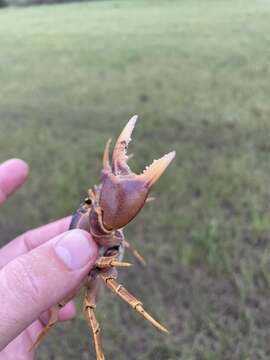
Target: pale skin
(37, 270)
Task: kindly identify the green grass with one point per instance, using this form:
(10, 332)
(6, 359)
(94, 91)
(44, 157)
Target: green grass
(197, 72)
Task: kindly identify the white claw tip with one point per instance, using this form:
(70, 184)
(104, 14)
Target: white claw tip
(127, 131)
(171, 155)
(132, 121)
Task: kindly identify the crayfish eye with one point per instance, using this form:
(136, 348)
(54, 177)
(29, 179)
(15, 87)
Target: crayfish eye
(88, 201)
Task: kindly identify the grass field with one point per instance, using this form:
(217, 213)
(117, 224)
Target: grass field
(197, 72)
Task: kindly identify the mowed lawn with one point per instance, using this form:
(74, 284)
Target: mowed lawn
(197, 73)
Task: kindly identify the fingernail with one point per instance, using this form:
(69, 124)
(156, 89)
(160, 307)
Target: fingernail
(74, 249)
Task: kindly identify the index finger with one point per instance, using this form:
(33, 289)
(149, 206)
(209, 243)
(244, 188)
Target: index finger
(32, 239)
(13, 173)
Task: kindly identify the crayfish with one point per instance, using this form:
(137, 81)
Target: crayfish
(105, 211)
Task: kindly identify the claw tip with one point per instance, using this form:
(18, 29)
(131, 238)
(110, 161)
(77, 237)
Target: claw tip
(152, 173)
(132, 122)
(134, 118)
(171, 155)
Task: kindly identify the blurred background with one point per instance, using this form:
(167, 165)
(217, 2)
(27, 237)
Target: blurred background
(197, 72)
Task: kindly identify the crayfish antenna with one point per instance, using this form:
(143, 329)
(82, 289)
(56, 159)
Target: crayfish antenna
(119, 157)
(152, 173)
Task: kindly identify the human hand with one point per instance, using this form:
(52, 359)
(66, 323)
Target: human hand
(37, 270)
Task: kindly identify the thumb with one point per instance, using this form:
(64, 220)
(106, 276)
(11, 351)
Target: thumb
(32, 283)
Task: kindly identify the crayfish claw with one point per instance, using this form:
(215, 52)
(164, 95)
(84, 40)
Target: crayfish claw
(119, 156)
(123, 193)
(152, 173)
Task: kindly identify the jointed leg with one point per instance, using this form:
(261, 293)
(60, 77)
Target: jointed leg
(109, 278)
(135, 253)
(89, 306)
(53, 319)
(106, 262)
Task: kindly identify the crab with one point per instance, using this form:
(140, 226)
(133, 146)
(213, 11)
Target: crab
(106, 210)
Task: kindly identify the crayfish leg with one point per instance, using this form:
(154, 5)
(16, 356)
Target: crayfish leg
(52, 321)
(89, 306)
(109, 278)
(105, 262)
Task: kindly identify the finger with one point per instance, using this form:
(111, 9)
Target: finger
(19, 347)
(34, 282)
(32, 239)
(33, 331)
(13, 173)
(25, 340)
(68, 312)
